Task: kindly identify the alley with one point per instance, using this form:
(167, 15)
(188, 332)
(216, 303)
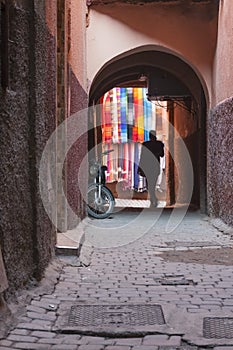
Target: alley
(182, 279)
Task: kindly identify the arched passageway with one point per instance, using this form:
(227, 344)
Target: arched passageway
(169, 79)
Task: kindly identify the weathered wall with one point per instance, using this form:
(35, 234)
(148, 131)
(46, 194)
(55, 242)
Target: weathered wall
(222, 72)
(27, 113)
(220, 121)
(183, 30)
(78, 101)
(44, 109)
(220, 161)
(186, 126)
(15, 178)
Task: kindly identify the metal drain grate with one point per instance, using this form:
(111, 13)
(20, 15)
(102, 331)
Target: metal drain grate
(116, 315)
(217, 327)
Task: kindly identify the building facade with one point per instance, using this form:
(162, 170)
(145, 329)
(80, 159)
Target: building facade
(57, 58)
(43, 82)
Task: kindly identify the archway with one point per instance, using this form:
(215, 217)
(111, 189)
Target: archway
(171, 79)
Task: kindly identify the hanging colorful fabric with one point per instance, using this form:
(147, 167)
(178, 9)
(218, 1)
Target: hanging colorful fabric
(135, 126)
(140, 116)
(123, 94)
(106, 117)
(115, 136)
(118, 94)
(130, 115)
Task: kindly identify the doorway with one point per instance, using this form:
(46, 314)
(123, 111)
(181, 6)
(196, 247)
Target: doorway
(180, 101)
(127, 117)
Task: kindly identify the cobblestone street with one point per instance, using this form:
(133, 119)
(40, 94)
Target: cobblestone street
(186, 273)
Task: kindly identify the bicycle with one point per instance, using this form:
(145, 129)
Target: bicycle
(100, 200)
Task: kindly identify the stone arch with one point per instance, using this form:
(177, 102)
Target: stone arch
(149, 59)
(130, 64)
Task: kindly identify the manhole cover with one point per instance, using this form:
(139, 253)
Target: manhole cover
(115, 315)
(217, 327)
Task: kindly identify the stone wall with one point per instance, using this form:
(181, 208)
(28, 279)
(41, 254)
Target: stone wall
(220, 132)
(40, 87)
(220, 161)
(76, 175)
(27, 117)
(44, 108)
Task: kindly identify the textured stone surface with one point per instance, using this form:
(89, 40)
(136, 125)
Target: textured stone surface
(220, 164)
(28, 110)
(3, 278)
(15, 172)
(27, 119)
(76, 179)
(123, 276)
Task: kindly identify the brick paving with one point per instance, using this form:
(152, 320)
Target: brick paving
(133, 273)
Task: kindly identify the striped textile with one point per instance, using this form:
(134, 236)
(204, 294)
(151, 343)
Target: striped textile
(130, 114)
(127, 115)
(106, 117)
(114, 115)
(118, 95)
(140, 136)
(127, 118)
(124, 111)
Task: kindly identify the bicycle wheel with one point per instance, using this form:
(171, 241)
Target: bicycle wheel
(99, 208)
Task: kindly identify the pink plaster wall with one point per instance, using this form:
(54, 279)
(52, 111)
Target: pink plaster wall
(77, 101)
(51, 16)
(77, 51)
(186, 125)
(188, 32)
(223, 72)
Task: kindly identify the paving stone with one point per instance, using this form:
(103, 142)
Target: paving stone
(117, 347)
(145, 347)
(155, 339)
(85, 340)
(64, 347)
(50, 316)
(184, 347)
(32, 346)
(96, 340)
(4, 342)
(128, 274)
(20, 331)
(22, 338)
(40, 334)
(174, 340)
(51, 341)
(34, 326)
(36, 309)
(129, 341)
(91, 347)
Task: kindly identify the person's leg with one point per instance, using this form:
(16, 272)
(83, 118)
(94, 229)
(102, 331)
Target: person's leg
(159, 179)
(151, 188)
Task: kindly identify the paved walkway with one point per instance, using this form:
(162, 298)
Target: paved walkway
(176, 270)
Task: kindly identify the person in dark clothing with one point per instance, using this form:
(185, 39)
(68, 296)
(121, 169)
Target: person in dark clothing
(149, 164)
